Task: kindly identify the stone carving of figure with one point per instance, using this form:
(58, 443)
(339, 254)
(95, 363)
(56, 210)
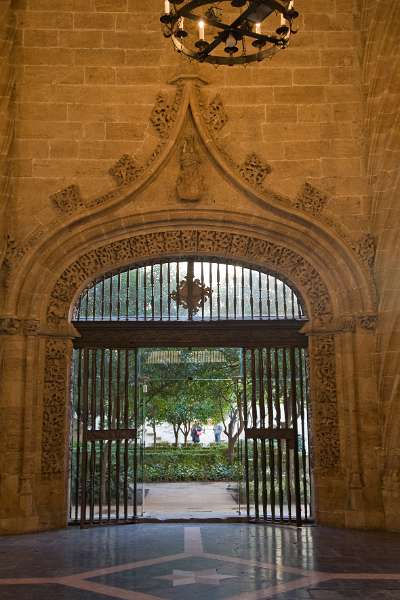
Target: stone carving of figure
(190, 184)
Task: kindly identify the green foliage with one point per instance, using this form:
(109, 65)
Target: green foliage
(189, 464)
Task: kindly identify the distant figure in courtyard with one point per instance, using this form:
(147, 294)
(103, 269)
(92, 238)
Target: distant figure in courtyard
(217, 432)
(195, 433)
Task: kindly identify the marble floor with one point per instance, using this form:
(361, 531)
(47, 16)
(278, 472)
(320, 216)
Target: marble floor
(201, 562)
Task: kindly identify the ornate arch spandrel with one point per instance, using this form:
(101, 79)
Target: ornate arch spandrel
(282, 260)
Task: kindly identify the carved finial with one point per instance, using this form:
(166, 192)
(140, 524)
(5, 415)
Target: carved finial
(190, 183)
(215, 115)
(311, 200)
(366, 249)
(68, 200)
(125, 170)
(254, 170)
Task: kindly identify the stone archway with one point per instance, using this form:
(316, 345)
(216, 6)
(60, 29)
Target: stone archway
(293, 267)
(330, 269)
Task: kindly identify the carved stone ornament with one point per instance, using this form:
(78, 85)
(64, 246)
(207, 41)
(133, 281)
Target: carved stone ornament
(366, 249)
(163, 115)
(170, 243)
(329, 324)
(10, 326)
(125, 170)
(191, 294)
(326, 440)
(368, 322)
(30, 327)
(190, 183)
(54, 410)
(254, 170)
(68, 200)
(311, 200)
(215, 115)
(14, 326)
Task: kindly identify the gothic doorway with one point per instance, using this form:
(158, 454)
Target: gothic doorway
(189, 303)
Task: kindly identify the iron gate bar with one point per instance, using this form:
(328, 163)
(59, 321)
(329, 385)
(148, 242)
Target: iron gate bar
(262, 441)
(141, 281)
(270, 433)
(295, 432)
(110, 435)
(85, 424)
(101, 429)
(254, 420)
(135, 457)
(246, 420)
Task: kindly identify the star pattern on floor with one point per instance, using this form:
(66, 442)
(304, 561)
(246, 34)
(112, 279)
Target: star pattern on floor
(206, 576)
(302, 579)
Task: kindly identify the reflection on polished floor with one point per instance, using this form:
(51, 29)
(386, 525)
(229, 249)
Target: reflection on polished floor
(210, 561)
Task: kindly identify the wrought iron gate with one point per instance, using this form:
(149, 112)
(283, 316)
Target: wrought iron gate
(202, 302)
(277, 472)
(106, 423)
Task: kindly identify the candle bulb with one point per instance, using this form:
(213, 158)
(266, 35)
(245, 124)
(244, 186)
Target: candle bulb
(258, 28)
(283, 20)
(181, 22)
(166, 7)
(201, 30)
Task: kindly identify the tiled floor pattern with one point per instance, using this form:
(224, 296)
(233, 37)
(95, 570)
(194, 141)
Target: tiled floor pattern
(201, 562)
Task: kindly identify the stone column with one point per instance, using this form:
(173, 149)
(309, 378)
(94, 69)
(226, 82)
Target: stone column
(34, 378)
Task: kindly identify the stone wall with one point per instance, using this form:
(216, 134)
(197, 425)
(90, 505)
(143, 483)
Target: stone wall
(89, 72)
(85, 76)
(381, 85)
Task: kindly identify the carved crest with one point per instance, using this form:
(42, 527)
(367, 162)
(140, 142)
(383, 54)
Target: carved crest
(311, 200)
(254, 170)
(125, 170)
(190, 183)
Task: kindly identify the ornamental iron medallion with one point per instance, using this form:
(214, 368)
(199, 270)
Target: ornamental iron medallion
(191, 293)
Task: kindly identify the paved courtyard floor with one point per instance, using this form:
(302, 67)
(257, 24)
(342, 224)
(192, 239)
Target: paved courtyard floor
(201, 562)
(190, 499)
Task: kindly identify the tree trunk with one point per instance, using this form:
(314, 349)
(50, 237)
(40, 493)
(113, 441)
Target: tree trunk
(153, 425)
(176, 434)
(230, 454)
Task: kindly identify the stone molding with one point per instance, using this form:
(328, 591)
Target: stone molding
(323, 324)
(324, 411)
(15, 326)
(169, 243)
(54, 409)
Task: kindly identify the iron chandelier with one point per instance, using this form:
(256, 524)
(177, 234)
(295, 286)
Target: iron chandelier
(229, 32)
